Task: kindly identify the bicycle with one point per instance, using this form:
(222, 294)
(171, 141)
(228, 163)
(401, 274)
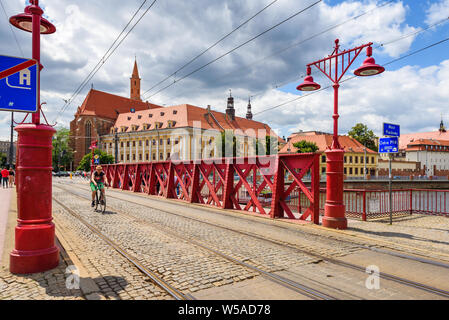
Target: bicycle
(100, 201)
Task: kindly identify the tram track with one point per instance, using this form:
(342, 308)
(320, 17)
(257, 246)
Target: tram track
(400, 280)
(280, 280)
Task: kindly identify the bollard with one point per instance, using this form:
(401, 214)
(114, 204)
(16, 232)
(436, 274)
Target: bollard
(35, 249)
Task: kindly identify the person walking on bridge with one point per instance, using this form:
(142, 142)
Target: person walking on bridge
(5, 178)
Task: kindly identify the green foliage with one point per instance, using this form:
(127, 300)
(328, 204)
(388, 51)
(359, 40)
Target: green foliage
(3, 159)
(304, 146)
(362, 134)
(87, 160)
(62, 154)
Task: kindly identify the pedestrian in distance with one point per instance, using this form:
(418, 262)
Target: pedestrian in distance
(5, 177)
(11, 177)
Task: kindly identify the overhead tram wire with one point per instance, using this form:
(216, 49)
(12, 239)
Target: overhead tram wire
(10, 27)
(310, 38)
(234, 49)
(352, 77)
(212, 46)
(421, 30)
(99, 62)
(105, 58)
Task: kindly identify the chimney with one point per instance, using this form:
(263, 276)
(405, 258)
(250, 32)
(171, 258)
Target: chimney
(230, 111)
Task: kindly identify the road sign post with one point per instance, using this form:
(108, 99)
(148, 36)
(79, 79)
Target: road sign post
(35, 249)
(390, 145)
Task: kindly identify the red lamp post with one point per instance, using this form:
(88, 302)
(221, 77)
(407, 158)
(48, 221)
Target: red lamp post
(35, 249)
(337, 65)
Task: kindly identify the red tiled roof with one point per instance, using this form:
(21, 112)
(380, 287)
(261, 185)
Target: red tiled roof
(405, 139)
(187, 115)
(103, 104)
(323, 141)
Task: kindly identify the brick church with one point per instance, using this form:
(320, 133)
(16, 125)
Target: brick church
(132, 130)
(99, 112)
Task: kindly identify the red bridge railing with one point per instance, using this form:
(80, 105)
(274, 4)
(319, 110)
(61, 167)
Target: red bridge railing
(256, 184)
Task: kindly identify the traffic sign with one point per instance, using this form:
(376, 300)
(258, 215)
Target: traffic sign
(392, 130)
(389, 145)
(18, 84)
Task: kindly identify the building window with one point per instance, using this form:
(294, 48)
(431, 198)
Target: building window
(147, 157)
(140, 143)
(361, 160)
(127, 144)
(110, 144)
(350, 171)
(134, 157)
(372, 160)
(168, 155)
(154, 156)
(356, 171)
(127, 157)
(323, 170)
(147, 143)
(168, 141)
(161, 157)
(134, 143)
(323, 159)
(161, 142)
(356, 159)
(345, 170)
(121, 157)
(345, 159)
(140, 156)
(350, 159)
(154, 142)
(121, 144)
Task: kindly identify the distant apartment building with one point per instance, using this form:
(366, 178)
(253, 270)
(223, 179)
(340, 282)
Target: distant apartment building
(356, 156)
(4, 148)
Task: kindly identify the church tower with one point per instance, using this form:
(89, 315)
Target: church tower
(135, 83)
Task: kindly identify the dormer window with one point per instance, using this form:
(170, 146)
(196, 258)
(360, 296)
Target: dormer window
(123, 128)
(162, 113)
(139, 117)
(146, 126)
(171, 123)
(134, 127)
(175, 111)
(150, 115)
(158, 125)
(129, 118)
(112, 130)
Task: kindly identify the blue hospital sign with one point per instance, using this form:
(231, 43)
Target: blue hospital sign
(18, 84)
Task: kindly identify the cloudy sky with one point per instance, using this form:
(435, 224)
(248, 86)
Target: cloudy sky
(413, 92)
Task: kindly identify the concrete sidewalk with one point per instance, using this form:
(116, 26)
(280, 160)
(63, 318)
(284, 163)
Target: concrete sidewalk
(5, 201)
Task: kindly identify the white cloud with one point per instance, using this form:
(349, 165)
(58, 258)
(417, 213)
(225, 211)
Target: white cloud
(437, 11)
(173, 32)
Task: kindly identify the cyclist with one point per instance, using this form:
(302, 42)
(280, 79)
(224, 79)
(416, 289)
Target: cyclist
(97, 182)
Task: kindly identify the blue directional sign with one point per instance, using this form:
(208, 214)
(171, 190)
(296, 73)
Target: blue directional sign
(392, 130)
(18, 84)
(389, 145)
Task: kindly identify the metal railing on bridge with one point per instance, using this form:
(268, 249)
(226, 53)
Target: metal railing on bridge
(256, 184)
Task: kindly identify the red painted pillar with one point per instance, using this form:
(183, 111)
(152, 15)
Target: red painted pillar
(315, 186)
(170, 191)
(334, 209)
(278, 192)
(229, 185)
(195, 185)
(35, 249)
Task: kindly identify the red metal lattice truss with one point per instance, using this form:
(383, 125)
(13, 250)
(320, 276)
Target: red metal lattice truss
(250, 184)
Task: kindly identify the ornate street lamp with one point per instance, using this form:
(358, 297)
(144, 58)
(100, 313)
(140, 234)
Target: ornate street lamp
(334, 67)
(35, 249)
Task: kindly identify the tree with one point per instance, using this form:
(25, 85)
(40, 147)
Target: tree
(362, 134)
(87, 160)
(304, 146)
(3, 159)
(62, 154)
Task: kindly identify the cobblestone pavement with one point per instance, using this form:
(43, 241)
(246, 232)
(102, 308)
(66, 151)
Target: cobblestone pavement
(50, 285)
(186, 267)
(267, 256)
